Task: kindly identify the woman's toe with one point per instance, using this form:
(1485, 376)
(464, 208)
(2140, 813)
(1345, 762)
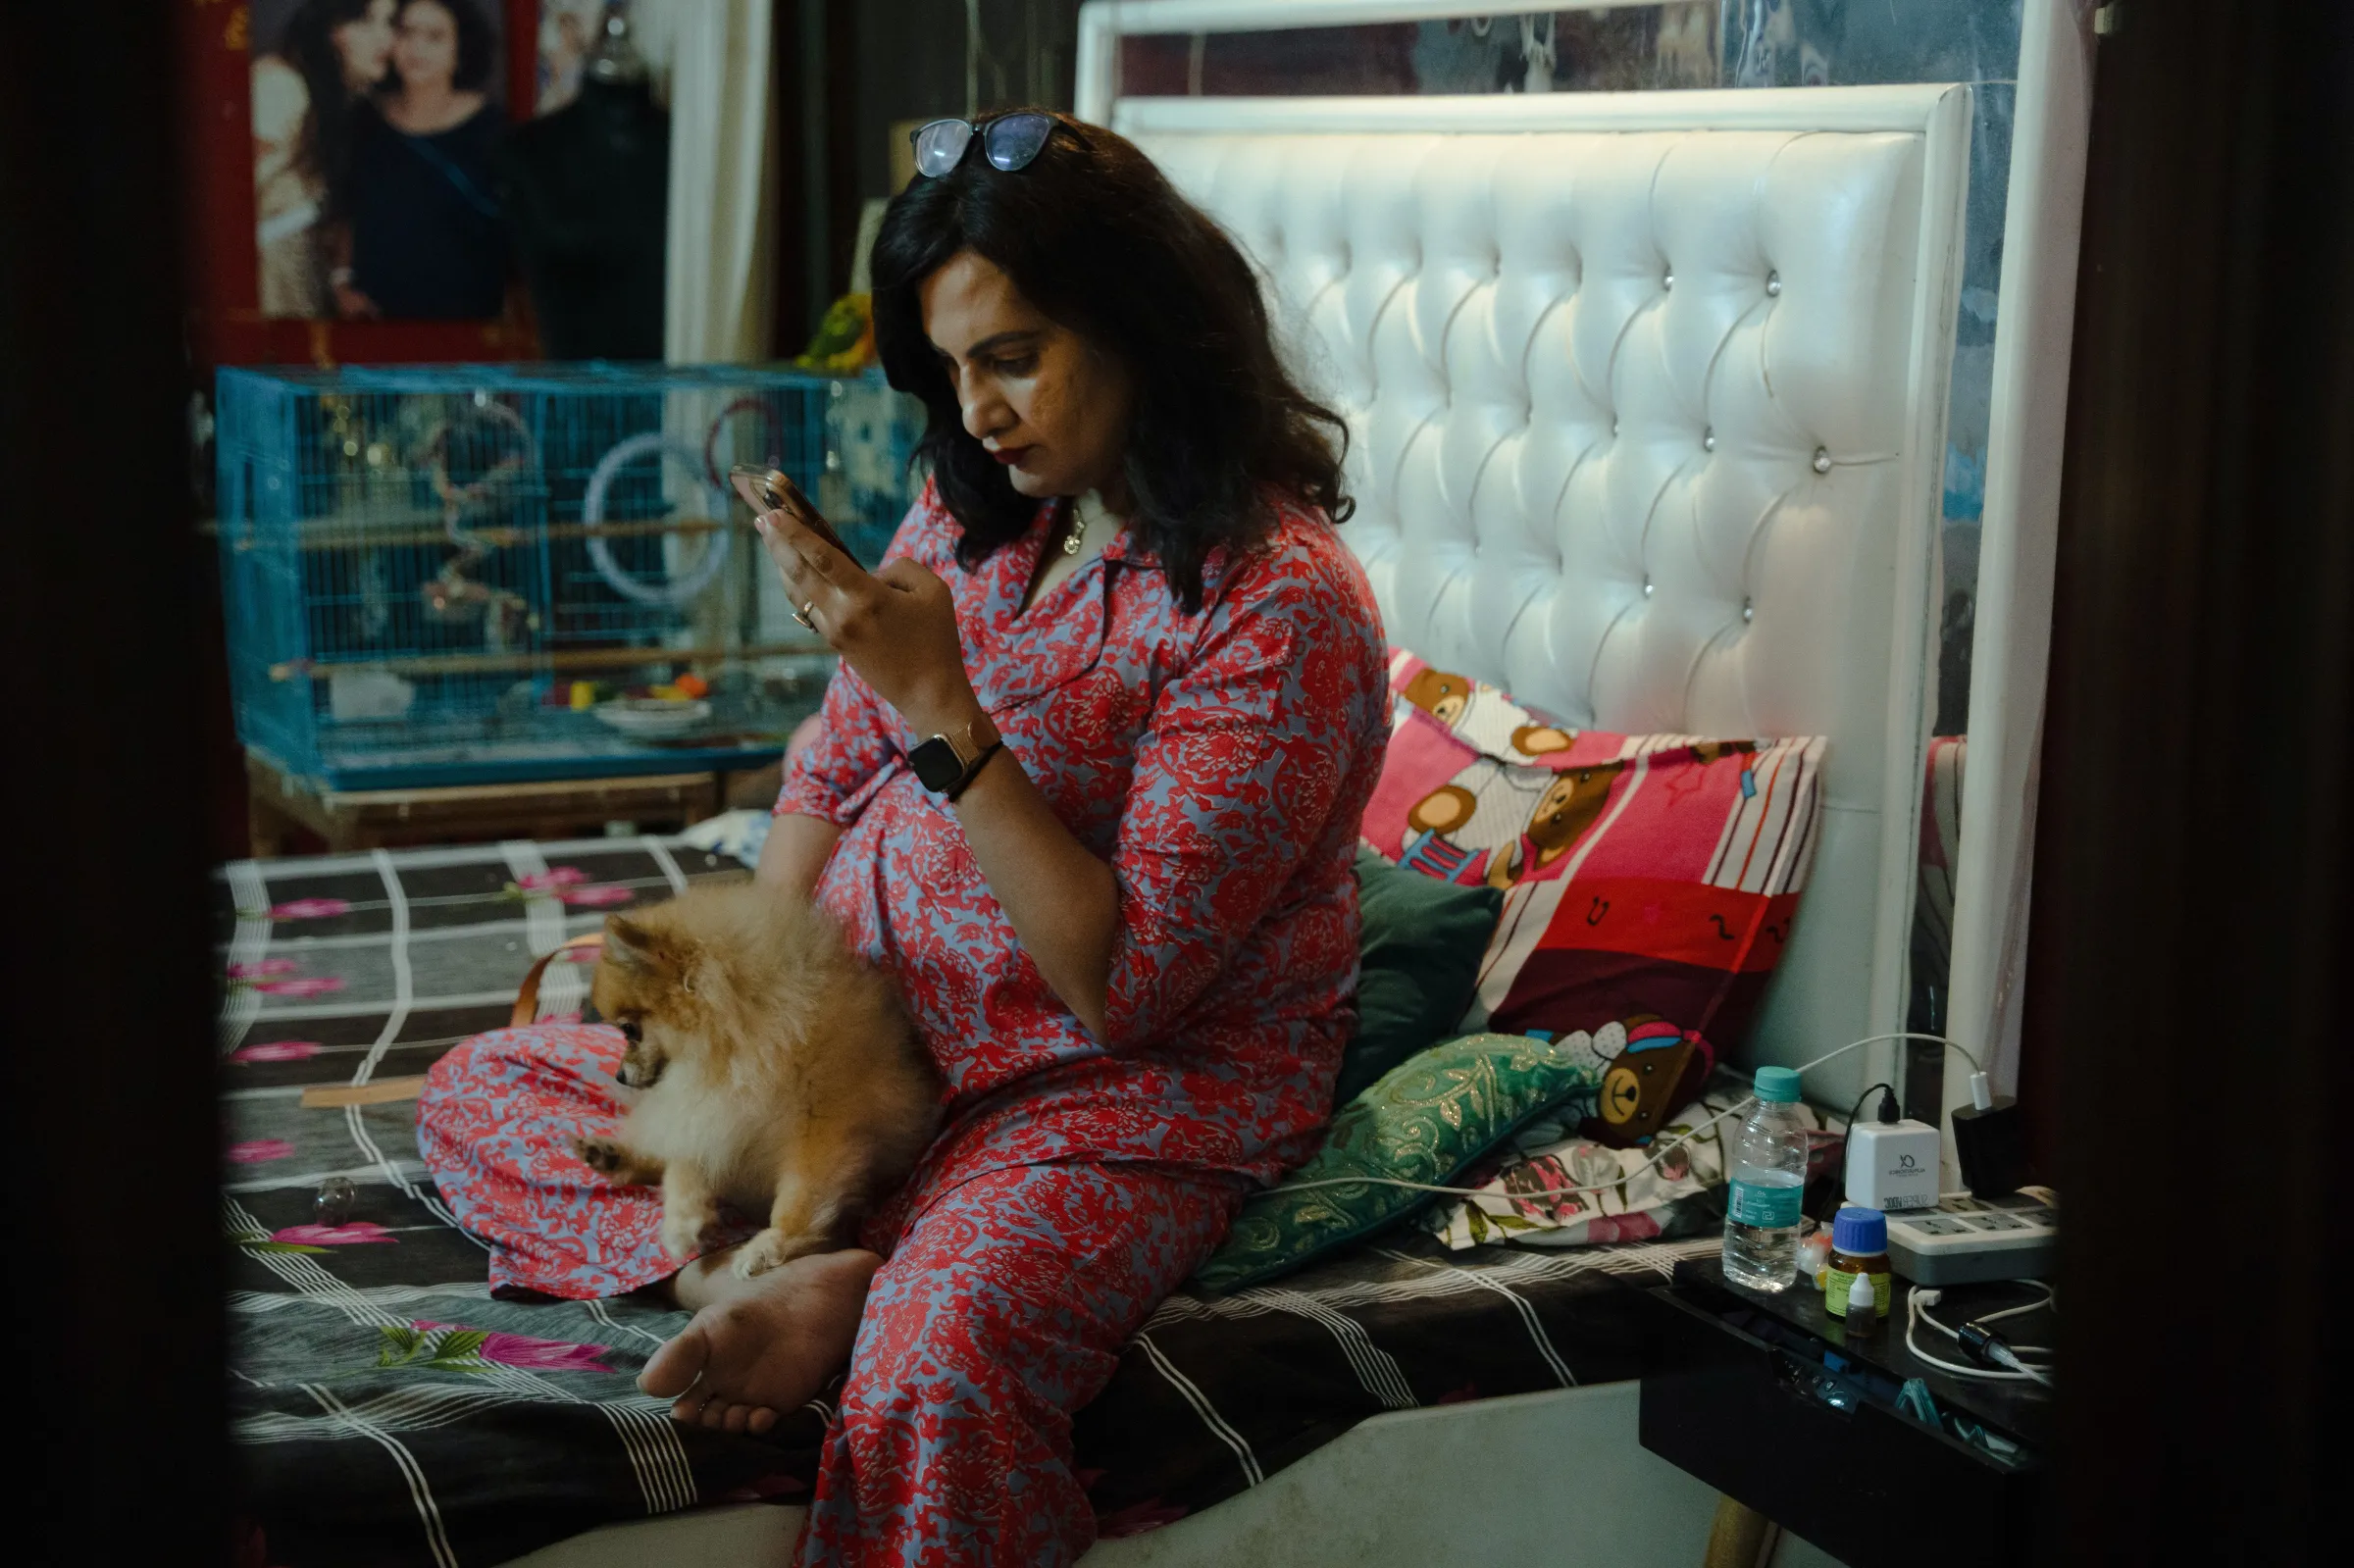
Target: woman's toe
(739, 1416)
(715, 1414)
(672, 1369)
(762, 1419)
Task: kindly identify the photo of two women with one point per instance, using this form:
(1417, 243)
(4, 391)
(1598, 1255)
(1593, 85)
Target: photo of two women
(375, 123)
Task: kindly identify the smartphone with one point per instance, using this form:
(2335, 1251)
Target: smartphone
(769, 489)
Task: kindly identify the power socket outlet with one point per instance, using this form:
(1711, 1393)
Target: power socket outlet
(1892, 1166)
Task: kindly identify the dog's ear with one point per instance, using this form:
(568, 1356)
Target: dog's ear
(629, 945)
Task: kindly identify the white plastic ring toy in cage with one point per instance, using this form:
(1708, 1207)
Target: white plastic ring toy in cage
(680, 589)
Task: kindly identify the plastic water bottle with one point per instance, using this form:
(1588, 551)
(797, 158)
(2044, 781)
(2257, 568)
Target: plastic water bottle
(1770, 1176)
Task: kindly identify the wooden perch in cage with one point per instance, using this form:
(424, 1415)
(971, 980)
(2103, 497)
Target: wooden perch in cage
(334, 533)
(552, 661)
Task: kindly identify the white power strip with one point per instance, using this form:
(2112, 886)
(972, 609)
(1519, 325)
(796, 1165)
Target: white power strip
(1964, 1240)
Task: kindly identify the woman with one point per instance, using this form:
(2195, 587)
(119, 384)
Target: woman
(1128, 932)
(332, 53)
(427, 238)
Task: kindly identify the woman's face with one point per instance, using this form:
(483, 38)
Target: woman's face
(425, 50)
(365, 43)
(1038, 397)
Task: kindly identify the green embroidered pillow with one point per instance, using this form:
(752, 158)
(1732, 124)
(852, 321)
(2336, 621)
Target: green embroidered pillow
(1428, 1119)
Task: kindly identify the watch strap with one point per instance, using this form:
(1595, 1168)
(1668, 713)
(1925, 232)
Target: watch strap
(972, 771)
(981, 738)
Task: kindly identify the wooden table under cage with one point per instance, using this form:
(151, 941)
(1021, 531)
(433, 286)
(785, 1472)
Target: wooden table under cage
(280, 805)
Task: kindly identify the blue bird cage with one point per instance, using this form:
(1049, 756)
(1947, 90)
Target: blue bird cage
(468, 574)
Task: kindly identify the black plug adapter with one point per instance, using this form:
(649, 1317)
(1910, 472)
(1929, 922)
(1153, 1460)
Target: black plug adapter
(1992, 1147)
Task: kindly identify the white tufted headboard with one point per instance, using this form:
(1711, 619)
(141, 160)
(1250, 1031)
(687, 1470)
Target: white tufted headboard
(1647, 402)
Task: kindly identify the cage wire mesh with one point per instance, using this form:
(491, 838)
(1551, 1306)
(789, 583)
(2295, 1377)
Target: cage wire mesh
(473, 573)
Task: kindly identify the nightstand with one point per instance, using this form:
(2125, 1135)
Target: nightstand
(1763, 1397)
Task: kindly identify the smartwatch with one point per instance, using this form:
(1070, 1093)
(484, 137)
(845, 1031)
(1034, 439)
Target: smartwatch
(946, 764)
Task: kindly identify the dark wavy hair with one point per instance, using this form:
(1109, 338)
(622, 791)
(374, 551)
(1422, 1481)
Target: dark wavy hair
(1096, 238)
(478, 46)
(309, 46)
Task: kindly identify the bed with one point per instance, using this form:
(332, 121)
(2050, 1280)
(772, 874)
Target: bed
(389, 1410)
(1647, 399)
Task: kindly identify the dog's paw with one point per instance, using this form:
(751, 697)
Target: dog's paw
(683, 1235)
(616, 1162)
(603, 1154)
(769, 1250)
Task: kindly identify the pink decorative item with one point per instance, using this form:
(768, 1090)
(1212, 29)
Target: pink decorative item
(596, 895)
(259, 1150)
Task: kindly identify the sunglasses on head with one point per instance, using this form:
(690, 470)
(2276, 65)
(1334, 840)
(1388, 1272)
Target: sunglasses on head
(1010, 142)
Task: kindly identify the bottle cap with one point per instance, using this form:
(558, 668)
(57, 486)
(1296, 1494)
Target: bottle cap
(1860, 1297)
(1860, 1232)
(1777, 1085)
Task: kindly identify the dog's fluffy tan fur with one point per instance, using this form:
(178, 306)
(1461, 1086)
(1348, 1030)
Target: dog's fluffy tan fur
(777, 1071)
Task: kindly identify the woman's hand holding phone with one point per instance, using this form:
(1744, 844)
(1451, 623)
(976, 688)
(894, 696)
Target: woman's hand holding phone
(896, 628)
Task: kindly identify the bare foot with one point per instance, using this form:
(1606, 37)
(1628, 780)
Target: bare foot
(761, 1345)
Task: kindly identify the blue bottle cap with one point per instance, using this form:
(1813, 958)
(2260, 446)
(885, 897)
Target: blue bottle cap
(1777, 1085)
(1860, 1232)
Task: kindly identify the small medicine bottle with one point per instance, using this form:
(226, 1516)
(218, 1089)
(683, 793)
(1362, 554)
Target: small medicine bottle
(1859, 1245)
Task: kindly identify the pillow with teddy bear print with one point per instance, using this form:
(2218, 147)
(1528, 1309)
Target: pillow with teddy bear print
(1642, 875)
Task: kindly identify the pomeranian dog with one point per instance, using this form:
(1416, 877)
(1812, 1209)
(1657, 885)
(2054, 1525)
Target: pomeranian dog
(777, 1073)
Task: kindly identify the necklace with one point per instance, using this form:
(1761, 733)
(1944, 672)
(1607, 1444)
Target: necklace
(1074, 531)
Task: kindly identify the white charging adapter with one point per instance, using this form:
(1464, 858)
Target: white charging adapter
(1892, 1165)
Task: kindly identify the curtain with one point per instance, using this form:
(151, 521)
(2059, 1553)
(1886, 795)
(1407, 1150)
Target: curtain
(719, 299)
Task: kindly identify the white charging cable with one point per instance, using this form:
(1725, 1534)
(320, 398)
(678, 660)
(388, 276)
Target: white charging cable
(1979, 1080)
(2012, 1367)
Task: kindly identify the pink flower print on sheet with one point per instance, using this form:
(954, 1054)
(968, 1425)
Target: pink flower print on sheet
(571, 884)
(277, 1050)
(276, 976)
(254, 1152)
(263, 968)
(596, 896)
(310, 908)
(359, 1233)
(306, 986)
(449, 1348)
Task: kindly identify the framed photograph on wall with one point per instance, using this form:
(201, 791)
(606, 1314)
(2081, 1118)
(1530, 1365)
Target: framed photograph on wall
(376, 125)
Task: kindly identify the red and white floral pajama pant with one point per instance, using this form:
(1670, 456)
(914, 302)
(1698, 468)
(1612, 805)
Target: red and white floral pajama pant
(1006, 1295)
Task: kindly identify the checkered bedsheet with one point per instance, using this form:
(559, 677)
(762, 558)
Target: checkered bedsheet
(389, 1411)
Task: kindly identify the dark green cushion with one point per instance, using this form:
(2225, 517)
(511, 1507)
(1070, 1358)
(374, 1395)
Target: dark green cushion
(1429, 1120)
(1418, 964)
